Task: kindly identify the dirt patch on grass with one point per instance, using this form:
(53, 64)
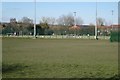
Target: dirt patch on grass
(12, 67)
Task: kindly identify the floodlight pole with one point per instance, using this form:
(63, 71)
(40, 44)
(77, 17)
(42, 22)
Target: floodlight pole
(96, 23)
(34, 19)
(75, 23)
(112, 19)
(74, 18)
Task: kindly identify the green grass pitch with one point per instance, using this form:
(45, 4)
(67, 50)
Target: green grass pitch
(58, 58)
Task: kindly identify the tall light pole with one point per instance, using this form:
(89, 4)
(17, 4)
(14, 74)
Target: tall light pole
(74, 18)
(112, 19)
(34, 19)
(96, 23)
(75, 23)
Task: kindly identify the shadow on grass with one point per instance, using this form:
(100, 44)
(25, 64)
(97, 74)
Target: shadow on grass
(12, 67)
(115, 77)
(112, 78)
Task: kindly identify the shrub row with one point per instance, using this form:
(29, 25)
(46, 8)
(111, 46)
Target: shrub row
(115, 36)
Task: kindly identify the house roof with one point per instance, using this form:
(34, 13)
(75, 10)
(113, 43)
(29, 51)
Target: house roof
(75, 27)
(114, 26)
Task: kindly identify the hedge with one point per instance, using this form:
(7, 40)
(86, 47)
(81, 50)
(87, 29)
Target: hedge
(115, 36)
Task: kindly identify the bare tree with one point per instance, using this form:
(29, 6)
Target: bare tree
(52, 21)
(25, 25)
(100, 21)
(48, 20)
(66, 20)
(26, 20)
(79, 21)
(44, 20)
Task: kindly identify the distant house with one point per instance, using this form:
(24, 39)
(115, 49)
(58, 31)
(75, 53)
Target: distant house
(116, 27)
(111, 27)
(77, 27)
